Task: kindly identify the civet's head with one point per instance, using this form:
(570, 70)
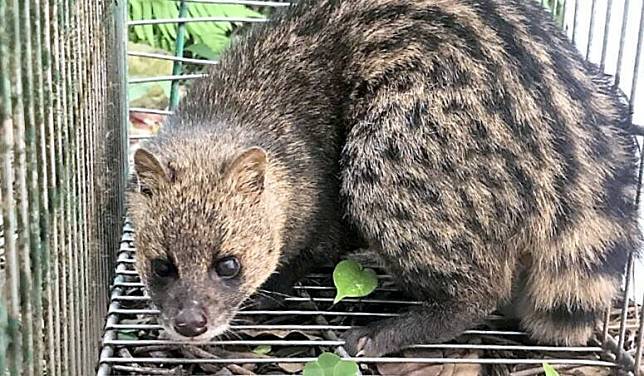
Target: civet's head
(207, 234)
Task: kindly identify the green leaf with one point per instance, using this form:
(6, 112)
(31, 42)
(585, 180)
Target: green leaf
(200, 30)
(262, 349)
(345, 368)
(549, 370)
(216, 11)
(127, 336)
(166, 45)
(329, 364)
(135, 10)
(164, 10)
(239, 11)
(352, 280)
(202, 50)
(217, 44)
(328, 361)
(149, 31)
(136, 13)
(313, 369)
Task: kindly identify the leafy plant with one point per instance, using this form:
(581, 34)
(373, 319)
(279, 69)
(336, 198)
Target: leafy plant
(352, 280)
(549, 370)
(262, 349)
(202, 39)
(329, 364)
(127, 335)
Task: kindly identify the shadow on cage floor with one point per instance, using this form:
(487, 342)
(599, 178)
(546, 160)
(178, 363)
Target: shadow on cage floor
(280, 342)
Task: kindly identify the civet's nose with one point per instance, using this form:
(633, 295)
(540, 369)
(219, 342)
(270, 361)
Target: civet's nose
(191, 322)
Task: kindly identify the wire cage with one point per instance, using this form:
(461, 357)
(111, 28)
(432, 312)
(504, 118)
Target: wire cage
(62, 174)
(607, 32)
(67, 254)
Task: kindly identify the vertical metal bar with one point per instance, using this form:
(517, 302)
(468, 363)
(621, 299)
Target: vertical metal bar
(638, 58)
(61, 176)
(625, 305)
(93, 291)
(634, 83)
(20, 165)
(87, 295)
(75, 200)
(66, 268)
(640, 344)
(6, 178)
(50, 62)
(104, 262)
(591, 27)
(70, 199)
(630, 266)
(177, 65)
(77, 149)
(605, 324)
(634, 293)
(32, 264)
(10, 294)
(609, 8)
(100, 283)
(54, 106)
(574, 22)
(39, 257)
(47, 176)
(121, 38)
(622, 37)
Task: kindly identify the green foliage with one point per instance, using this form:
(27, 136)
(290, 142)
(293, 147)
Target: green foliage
(127, 335)
(352, 280)
(262, 349)
(549, 370)
(203, 39)
(329, 364)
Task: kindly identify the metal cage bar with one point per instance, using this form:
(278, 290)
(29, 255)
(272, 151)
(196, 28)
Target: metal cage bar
(593, 37)
(62, 174)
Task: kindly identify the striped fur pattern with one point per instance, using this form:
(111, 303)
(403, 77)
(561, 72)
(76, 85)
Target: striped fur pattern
(465, 141)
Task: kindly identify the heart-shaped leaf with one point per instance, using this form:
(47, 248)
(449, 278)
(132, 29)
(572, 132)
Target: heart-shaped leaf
(549, 370)
(127, 336)
(329, 364)
(352, 280)
(262, 349)
(328, 361)
(313, 369)
(345, 368)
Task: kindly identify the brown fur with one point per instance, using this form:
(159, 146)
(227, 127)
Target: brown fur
(467, 142)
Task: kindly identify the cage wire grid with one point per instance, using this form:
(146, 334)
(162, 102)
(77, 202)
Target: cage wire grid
(309, 323)
(62, 174)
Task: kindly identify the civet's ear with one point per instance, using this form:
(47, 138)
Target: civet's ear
(247, 172)
(149, 170)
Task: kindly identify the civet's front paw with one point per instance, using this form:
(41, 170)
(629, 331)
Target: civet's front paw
(370, 341)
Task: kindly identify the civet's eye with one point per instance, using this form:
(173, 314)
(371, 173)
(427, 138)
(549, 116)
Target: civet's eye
(164, 268)
(227, 267)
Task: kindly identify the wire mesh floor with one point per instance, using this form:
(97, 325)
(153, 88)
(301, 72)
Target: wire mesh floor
(274, 342)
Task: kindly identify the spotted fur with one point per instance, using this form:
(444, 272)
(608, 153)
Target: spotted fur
(466, 141)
